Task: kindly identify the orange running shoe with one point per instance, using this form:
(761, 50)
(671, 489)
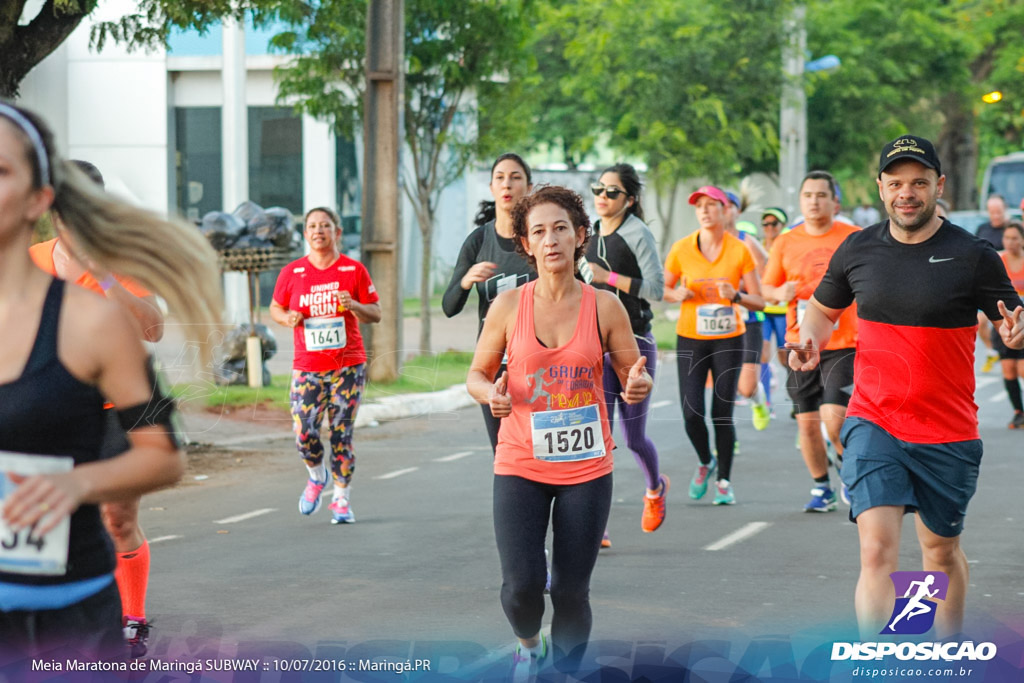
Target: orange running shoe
(605, 541)
(654, 508)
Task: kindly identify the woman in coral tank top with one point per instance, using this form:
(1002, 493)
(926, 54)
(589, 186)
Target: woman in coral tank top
(554, 454)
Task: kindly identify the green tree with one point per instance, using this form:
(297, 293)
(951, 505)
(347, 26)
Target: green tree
(22, 46)
(463, 58)
(917, 66)
(692, 88)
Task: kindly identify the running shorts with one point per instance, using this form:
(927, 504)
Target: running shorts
(934, 480)
(831, 382)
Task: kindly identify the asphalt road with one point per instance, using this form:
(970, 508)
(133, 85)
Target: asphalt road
(236, 568)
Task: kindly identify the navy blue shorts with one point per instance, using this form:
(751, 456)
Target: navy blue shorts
(774, 324)
(936, 480)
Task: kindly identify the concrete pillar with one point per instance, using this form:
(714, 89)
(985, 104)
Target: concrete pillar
(793, 117)
(235, 154)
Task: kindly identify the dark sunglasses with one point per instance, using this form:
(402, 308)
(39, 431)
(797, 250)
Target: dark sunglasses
(770, 224)
(609, 192)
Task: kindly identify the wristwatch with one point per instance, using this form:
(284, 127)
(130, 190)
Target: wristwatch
(736, 297)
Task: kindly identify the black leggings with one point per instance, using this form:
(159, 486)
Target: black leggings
(724, 359)
(578, 517)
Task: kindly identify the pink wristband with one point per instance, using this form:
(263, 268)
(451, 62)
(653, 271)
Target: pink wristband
(613, 278)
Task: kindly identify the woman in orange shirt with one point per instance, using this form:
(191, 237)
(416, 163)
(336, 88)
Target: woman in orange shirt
(708, 267)
(1012, 359)
(554, 454)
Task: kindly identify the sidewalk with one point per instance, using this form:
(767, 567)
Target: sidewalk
(262, 426)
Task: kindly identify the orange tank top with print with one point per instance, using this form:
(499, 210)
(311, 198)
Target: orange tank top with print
(1016, 276)
(558, 430)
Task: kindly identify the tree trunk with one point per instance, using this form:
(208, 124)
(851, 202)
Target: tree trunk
(666, 206)
(425, 219)
(25, 46)
(958, 150)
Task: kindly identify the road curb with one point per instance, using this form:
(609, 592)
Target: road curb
(401, 406)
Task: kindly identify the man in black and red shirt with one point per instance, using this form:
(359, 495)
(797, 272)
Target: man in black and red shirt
(911, 435)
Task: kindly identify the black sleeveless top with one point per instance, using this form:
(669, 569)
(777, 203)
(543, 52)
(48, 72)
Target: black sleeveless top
(47, 411)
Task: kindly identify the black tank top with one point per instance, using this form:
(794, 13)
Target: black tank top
(47, 411)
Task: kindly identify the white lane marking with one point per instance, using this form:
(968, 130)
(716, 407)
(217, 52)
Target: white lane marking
(980, 382)
(235, 440)
(161, 539)
(660, 404)
(741, 534)
(245, 516)
(1001, 396)
(454, 456)
(397, 473)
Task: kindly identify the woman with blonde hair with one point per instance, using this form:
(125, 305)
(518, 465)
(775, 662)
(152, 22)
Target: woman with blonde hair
(62, 351)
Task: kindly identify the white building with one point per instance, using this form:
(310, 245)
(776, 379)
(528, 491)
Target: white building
(153, 123)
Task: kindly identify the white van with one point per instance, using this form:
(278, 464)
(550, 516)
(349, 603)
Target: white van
(1005, 176)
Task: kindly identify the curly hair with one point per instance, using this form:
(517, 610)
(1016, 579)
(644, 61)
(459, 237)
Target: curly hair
(559, 196)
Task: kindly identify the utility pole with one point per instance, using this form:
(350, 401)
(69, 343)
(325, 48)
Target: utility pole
(385, 66)
(793, 117)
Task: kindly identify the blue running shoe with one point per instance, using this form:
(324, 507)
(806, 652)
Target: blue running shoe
(341, 512)
(723, 493)
(699, 483)
(309, 501)
(823, 499)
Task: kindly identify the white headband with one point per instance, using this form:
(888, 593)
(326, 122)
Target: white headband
(34, 137)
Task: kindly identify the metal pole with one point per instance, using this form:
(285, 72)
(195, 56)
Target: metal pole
(382, 140)
(793, 117)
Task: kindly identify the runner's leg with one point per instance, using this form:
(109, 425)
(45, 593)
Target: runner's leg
(944, 554)
(578, 519)
(878, 529)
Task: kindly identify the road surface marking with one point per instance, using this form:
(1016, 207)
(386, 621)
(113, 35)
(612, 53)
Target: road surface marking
(741, 534)
(250, 438)
(983, 382)
(1001, 396)
(454, 456)
(161, 539)
(397, 473)
(661, 404)
(245, 516)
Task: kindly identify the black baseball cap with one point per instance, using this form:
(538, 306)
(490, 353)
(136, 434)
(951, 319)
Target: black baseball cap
(909, 147)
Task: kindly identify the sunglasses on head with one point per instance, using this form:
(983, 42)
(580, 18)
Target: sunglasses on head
(609, 192)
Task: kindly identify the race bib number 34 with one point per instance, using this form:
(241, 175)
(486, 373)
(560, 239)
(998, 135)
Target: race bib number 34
(23, 552)
(324, 334)
(567, 435)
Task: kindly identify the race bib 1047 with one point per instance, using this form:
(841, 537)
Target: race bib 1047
(715, 320)
(24, 552)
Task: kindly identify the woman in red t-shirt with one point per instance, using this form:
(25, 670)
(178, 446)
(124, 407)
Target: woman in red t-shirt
(554, 446)
(323, 297)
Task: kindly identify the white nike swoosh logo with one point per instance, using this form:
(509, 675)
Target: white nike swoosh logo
(939, 260)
